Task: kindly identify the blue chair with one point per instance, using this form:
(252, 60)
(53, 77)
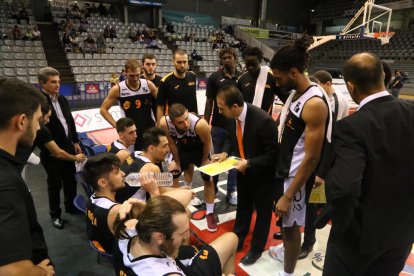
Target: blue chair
(88, 188)
(82, 135)
(101, 252)
(80, 203)
(99, 149)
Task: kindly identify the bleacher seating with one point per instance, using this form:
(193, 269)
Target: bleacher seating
(19, 58)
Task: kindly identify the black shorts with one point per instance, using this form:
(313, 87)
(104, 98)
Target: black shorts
(190, 157)
(205, 263)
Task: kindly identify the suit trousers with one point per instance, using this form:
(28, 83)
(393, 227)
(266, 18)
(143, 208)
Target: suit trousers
(59, 173)
(254, 192)
(343, 259)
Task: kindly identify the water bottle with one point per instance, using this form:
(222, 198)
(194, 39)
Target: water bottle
(164, 179)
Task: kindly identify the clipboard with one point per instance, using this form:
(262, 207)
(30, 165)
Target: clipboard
(318, 195)
(217, 168)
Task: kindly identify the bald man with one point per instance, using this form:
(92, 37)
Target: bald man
(369, 180)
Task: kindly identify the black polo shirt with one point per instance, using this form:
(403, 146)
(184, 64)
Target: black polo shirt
(21, 236)
(156, 81)
(175, 90)
(247, 85)
(216, 81)
(43, 137)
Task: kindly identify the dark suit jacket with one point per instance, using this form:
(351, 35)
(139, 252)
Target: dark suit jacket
(56, 127)
(259, 142)
(371, 185)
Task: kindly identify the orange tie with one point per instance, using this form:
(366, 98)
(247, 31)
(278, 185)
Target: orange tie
(239, 135)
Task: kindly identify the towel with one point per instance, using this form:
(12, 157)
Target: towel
(260, 86)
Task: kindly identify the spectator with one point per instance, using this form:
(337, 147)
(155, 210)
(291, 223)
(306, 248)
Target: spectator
(170, 28)
(153, 44)
(28, 35)
(196, 56)
(114, 80)
(100, 43)
(107, 32)
(112, 32)
(396, 83)
(90, 44)
(122, 77)
(83, 26)
(17, 32)
(132, 35)
(66, 42)
(74, 42)
(36, 33)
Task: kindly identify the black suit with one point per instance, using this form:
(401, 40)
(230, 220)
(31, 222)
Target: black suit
(256, 186)
(59, 171)
(372, 183)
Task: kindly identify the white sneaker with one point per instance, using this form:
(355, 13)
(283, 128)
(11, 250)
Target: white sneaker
(196, 202)
(277, 253)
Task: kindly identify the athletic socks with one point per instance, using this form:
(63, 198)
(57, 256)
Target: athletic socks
(209, 208)
(282, 273)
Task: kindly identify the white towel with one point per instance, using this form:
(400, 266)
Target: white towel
(260, 86)
(285, 111)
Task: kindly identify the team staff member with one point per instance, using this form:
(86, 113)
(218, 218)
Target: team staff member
(178, 86)
(44, 140)
(371, 178)
(149, 68)
(23, 249)
(252, 136)
(260, 94)
(62, 127)
(227, 75)
(134, 97)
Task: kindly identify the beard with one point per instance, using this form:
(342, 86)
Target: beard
(148, 73)
(181, 70)
(27, 139)
(168, 248)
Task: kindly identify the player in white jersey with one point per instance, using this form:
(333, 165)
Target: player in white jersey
(151, 243)
(189, 140)
(134, 96)
(304, 126)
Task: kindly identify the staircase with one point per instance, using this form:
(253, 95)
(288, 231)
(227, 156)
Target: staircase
(55, 54)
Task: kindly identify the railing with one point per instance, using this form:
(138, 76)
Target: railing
(254, 42)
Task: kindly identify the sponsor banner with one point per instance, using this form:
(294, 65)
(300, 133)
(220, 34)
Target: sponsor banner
(349, 36)
(155, 3)
(188, 18)
(235, 21)
(92, 88)
(202, 83)
(90, 119)
(256, 32)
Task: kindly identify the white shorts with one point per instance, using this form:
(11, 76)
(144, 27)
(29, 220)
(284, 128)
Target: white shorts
(297, 212)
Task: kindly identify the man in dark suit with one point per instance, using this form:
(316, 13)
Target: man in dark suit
(252, 136)
(63, 130)
(372, 178)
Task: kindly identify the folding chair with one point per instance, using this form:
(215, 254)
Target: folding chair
(86, 187)
(80, 203)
